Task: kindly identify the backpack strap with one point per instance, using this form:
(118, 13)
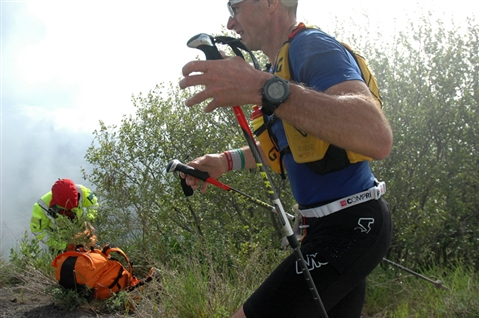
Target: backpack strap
(73, 253)
(115, 282)
(269, 121)
(366, 73)
(107, 251)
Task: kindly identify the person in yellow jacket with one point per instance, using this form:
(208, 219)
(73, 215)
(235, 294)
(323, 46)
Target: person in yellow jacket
(63, 216)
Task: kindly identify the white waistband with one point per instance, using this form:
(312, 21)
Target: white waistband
(373, 193)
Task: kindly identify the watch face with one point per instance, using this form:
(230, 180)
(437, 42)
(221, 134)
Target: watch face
(276, 91)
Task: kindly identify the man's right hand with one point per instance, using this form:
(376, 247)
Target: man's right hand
(227, 82)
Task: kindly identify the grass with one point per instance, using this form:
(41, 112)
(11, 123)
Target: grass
(394, 293)
(198, 285)
(199, 288)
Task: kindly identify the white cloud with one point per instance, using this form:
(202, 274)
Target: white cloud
(106, 51)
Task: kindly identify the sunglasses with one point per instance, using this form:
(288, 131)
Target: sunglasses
(230, 5)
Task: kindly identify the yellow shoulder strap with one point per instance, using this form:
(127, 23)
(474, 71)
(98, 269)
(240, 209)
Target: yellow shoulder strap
(306, 148)
(282, 64)
(366, 74)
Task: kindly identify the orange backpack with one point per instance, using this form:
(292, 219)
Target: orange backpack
(94, 269)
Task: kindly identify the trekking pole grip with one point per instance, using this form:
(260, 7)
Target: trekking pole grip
(205, 43)
(176, 165)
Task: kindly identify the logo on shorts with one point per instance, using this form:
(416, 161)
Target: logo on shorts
(365, 225)
(311, 263)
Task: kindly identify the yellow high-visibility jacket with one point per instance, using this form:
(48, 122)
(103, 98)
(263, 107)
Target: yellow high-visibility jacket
(42, 224)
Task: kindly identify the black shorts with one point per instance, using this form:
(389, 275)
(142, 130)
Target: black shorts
(341, 250)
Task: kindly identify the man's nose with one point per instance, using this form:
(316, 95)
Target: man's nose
(230, 24)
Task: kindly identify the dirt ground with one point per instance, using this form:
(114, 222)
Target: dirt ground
(18, 301)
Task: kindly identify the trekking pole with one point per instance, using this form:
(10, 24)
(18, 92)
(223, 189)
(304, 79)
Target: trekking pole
(438, 284)
(176, 165)
(205, 43)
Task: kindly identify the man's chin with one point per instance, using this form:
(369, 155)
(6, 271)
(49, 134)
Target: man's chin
(246, 42)
(243, 38)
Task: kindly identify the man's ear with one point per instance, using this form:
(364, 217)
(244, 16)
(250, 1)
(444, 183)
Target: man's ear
(272, 5)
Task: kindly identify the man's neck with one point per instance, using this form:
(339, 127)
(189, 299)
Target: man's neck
(279, 35)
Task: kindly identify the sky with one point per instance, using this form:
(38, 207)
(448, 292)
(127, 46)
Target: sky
(66, 65)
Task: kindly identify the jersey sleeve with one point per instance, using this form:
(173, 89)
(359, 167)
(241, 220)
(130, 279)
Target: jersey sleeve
(320, 61)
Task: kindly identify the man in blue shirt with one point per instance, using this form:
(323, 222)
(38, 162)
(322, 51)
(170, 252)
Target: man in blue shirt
(348, 226)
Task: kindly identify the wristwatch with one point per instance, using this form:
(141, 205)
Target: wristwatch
(275, 92)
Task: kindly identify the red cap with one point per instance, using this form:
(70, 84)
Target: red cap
(64, 194)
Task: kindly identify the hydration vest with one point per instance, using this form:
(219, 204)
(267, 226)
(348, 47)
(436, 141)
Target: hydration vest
(320, 156)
